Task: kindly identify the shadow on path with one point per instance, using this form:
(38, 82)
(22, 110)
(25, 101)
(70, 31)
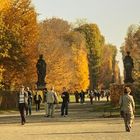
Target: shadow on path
(79, 133)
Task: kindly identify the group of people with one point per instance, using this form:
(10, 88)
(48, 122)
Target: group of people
(50, 99)
(92, 94)
(80, 96)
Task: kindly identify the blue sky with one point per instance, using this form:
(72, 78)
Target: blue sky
(112, 16)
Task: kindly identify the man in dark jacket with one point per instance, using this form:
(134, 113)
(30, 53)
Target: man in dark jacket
(65, 101)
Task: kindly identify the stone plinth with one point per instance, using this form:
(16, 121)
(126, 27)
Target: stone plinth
(41, 87)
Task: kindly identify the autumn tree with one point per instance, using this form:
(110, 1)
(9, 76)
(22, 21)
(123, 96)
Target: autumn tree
(94, 43)
(63, 52)
(132, 44)
(18, 42)
(109, 70)
(78, 61)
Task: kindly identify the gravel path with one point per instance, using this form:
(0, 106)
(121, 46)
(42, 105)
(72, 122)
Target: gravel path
(81, 124)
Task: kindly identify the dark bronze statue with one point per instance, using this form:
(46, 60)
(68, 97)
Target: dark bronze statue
(128, 67)
(41, 71)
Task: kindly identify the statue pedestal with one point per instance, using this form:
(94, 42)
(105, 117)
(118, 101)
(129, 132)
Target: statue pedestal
(41, 86)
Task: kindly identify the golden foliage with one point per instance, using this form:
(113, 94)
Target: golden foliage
(132, 44)
(66, 58)
(20, 32)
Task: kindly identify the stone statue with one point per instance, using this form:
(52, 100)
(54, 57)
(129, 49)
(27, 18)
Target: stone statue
(128, 67)
(41, 71)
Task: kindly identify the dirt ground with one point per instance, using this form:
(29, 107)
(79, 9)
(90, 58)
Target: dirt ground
(81, 124)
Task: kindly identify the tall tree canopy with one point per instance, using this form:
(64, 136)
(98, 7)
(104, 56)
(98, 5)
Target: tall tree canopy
(65, 55)
(94, 43)
(132, 44)
(19, 31)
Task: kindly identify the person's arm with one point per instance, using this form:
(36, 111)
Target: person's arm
(40, 98)
(56, 97)
(133, 103)
(120, 101)
(68, 97)
(62, 95)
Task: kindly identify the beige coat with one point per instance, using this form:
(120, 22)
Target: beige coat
(127, 104)
(51, 97)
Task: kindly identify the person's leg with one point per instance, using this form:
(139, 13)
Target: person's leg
(125, 121)
(22, 107)
(24, 113)
(38, 105)
(127, 125)
(130, 120)
(83, 99)
(37, 102)
(20, 111)
(26, 108)
(46, 108)
(91, 100)
(95, 98)
(76, 98)
(30, 108)
(66, 108)
(62, 109)
(52, 109)
(49, 109)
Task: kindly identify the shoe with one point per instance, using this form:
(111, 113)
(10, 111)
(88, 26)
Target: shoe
(128, 129)
(22, 123)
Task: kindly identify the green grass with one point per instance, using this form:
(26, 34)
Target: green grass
(72, 98)
(107, 109)
(111, 110)
(137, 108)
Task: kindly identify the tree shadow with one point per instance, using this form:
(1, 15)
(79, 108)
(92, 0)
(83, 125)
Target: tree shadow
(81, 133)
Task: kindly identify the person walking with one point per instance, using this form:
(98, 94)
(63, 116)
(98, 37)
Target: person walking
(82, 96)
(65, 101)
(76, 96)
(91, 96)
(98, 95)
(127, 106)
(52, 99)
(29, 100)
(21, 103)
